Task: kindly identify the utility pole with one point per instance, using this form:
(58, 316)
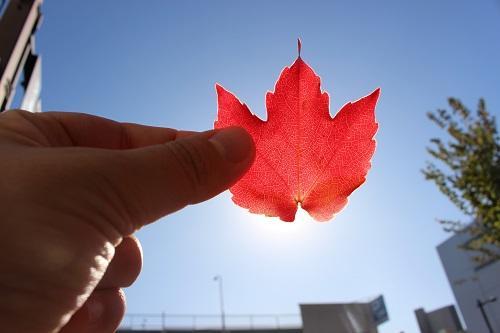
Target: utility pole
(480, 305)
(221, 299)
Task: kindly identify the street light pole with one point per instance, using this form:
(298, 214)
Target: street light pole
(480, 305)
(221, 299)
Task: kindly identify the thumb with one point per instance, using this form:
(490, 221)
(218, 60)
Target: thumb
(154, 181)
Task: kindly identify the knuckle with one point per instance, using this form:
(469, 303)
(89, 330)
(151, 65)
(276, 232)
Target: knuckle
(16, 112)
(125, 140)
(191, 161)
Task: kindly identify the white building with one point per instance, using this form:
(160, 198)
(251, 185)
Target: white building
(344, 317)
(472, 283)
(444, 319)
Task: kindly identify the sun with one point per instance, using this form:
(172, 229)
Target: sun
(274, 228)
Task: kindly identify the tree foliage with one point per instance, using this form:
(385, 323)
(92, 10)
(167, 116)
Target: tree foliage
(470, 172)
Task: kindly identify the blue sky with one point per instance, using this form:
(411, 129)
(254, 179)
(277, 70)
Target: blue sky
(156, 62)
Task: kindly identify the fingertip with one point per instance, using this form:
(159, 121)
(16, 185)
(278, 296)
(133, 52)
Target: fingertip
(234, 144)
(125, 266)
(102, 312)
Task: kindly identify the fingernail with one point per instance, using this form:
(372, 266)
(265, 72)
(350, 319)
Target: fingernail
(234, 143)
(95, 309)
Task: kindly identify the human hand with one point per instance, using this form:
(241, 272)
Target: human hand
(73, 189)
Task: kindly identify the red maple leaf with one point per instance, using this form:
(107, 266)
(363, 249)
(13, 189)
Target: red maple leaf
(303, 156)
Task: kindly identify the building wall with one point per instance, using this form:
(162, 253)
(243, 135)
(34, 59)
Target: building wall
(338, 318)
(471, 282)
(444, 319)
(18, 24)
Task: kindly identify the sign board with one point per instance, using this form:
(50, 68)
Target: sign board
(379, 311)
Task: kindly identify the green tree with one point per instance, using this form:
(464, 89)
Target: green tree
(470, 173)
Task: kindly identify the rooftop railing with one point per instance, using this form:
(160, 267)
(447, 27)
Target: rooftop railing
(195, 322)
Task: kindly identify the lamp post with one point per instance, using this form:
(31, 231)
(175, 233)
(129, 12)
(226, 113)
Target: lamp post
(221, 299)
(480, 305)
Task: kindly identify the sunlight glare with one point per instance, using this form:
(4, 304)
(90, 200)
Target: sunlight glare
(273, 228)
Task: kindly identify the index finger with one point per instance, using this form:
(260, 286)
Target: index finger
(86, 130)
(63, 129)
